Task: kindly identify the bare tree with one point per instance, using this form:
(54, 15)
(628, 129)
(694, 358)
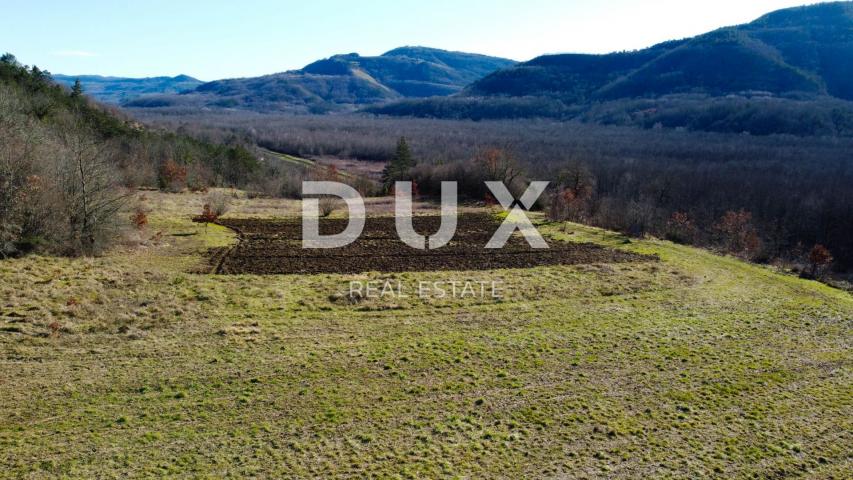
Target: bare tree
(89, 186)
(575, 187)
(499, 164)
(17, 147)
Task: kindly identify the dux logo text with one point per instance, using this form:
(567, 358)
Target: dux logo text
(516, 219)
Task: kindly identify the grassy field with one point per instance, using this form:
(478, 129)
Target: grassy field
(132, 366)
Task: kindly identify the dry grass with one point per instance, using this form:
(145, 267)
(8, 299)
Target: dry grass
(699, 366)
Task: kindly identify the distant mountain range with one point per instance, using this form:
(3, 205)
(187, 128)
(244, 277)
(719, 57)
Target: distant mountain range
(339, 83)
(790, 71)
(117, 90)
(780, 60)
(806, 50)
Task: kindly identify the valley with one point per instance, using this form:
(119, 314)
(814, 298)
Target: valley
(639, 263)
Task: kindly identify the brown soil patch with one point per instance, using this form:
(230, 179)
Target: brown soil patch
(275, 247)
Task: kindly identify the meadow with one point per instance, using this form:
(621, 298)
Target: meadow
(140, 363)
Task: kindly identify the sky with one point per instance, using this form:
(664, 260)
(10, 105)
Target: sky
(213, 39)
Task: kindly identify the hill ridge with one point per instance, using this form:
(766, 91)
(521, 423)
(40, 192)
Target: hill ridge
(789, 71)
(340, 82)
(770, 42)
(116, 89)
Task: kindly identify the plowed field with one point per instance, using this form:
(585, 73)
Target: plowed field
(275, 247)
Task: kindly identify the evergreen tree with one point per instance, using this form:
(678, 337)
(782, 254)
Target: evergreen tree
(77, 89)
(398, 168)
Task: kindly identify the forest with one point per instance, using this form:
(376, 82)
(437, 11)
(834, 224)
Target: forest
(766, 198)
(68, 165)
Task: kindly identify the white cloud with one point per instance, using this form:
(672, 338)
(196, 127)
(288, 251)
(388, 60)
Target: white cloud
(74, 53)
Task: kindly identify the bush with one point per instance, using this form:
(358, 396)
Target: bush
(739, 235)
(172, 177)
(207, 215)
(681, 229)
(327, 206)
(820, 260)
(219, 203)
(139, 219)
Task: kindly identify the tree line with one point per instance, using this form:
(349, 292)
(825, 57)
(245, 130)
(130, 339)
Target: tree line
(789, 193)
(67, 164)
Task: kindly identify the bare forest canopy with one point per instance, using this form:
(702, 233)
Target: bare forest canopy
(66, 164)
(789, 192)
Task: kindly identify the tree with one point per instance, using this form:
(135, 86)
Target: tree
(820, 260)
(88, 184)
(172, 177)
(575, 187)
(680, 228)
(24, 204)
(239, 164)
(739, 234)
(498, 164)
(13, 171)
(77, 89)
(398, 168)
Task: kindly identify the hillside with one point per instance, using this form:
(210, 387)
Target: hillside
(118, 90)
(340, 82)
(800, 50)
(65, 161)
(793, 54)
(693, 366)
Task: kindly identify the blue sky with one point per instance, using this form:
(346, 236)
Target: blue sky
(220, 39)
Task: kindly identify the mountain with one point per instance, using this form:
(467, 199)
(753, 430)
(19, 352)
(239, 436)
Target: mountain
(341, 82)
(117, 90)
(789, 55)
(806, 49)
(414, 71)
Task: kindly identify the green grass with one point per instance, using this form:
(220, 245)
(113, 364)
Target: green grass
(697, 365)
(304, 162)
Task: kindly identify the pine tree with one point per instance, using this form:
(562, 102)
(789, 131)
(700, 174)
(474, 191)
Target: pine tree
(398, 168)
(77, 89)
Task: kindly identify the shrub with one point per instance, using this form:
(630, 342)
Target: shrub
(681, 229)
(219, 203)
(207, 215)
(327, 206)
(820, 259)
(172, 177)
(139, 219)
(738, 234)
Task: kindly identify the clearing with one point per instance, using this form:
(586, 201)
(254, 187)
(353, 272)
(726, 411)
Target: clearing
(275, 247)
(693, 365)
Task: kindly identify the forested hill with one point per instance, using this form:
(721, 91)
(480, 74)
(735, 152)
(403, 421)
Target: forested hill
(118, 90)
(805, 50)
(64, 161)
(759, 77)
(340, 83)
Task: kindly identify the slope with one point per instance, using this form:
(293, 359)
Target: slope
(695, 366)
(340, 82)
(806, 49)
(118, 90)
